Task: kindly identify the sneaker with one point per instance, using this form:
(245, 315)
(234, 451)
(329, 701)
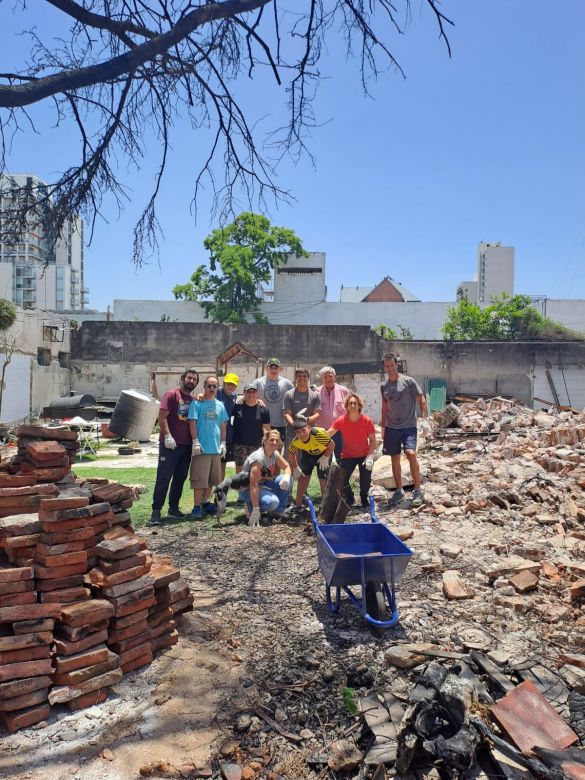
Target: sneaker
(418, 498)
(196, 513)
(365, 503)
(397, 498)
(209, 508)
(175, 513)
(155, 518)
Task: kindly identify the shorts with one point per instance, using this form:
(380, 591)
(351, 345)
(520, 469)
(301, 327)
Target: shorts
(205, 471)
(241, 452)
(395, 438)
(308, 462)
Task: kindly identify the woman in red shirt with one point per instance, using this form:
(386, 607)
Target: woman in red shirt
(359, 443)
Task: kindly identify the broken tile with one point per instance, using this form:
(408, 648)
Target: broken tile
(529, 720)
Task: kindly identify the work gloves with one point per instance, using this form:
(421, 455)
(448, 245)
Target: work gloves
(284, 482)
(254, 520)
(170, 443)
(222, 449)
(369, 463)
(324, 462)
(297, 473)
(196, 447)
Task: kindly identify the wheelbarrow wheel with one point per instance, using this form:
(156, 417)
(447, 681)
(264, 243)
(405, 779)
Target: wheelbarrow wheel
(375, 601)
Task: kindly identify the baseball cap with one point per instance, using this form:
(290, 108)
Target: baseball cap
(300, 422)
(273, 362)
(250, 387)
(231, 379)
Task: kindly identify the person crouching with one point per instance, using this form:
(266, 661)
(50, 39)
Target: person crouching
(270, 479)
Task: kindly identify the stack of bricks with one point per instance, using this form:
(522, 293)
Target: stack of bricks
(120, 498)
(19, 494)
(161, 621)
(66, 547)
(181, 597)
(45, 453)
(26, 636)
(122, 577)
(19, 536)
(84, 667)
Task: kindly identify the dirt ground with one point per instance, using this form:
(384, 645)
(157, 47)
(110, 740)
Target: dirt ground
(263, 672)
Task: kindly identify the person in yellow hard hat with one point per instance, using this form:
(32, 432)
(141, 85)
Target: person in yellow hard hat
(227, 395)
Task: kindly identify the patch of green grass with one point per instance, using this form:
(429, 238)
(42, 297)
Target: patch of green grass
(141, 509)
(349, 701)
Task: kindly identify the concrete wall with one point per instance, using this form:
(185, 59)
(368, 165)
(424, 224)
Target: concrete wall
(424, 319)
(110, 357)
(29, 386)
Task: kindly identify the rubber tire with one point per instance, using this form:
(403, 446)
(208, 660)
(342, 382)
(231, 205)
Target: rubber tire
(375, 602)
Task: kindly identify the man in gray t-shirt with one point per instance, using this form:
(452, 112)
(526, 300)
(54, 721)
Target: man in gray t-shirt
(271, 389)
(299, 398)
(400, 394)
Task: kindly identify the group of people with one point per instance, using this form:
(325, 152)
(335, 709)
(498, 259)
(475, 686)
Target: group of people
(277, 433)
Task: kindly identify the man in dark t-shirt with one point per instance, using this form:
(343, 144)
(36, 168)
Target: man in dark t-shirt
(228, 396)
(174, 449)
(250, 420)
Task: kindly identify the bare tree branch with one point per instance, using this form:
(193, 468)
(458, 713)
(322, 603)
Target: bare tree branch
(124, 70)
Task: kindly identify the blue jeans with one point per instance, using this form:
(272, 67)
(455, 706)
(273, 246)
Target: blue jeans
(272, 497)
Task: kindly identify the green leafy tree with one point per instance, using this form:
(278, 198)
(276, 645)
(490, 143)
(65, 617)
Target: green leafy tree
(505, 319)
(242, 256)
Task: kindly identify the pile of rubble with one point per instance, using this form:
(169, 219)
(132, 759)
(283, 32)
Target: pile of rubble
(467, 714)
(494, 592)
(75, 585)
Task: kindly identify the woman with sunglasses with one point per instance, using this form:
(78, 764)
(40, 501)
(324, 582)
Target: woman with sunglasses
(359, 443)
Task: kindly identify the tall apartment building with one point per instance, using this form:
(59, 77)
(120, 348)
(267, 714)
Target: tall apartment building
(36, 272)
(494, 276)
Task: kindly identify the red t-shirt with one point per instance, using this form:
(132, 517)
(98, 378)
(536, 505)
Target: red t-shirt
(355, 435)
(177, 404)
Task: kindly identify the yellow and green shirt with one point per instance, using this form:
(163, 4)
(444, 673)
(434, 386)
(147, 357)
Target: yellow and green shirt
(316, 444)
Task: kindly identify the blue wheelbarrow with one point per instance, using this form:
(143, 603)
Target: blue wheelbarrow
(366, 554)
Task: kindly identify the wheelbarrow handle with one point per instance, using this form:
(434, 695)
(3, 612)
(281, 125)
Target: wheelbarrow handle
(311, 506)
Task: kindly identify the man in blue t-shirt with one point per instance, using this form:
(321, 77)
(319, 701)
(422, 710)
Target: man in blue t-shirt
(207, 422)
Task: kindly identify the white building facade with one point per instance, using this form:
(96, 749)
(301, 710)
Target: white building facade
(494, 275)
(36, 272)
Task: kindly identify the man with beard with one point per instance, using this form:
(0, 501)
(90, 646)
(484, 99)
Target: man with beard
(174, 449)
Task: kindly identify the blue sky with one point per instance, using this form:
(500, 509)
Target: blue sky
(487, 145)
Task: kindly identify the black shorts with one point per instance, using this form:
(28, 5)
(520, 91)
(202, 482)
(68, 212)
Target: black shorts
(308, 462)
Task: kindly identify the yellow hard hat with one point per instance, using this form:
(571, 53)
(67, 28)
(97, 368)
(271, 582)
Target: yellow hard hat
(231, 379)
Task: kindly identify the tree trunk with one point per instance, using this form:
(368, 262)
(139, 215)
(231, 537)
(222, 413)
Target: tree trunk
(333, 497)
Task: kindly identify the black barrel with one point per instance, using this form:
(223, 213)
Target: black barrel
(73, 406)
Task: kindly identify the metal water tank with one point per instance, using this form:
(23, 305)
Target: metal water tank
(73, 406)
(134, 415)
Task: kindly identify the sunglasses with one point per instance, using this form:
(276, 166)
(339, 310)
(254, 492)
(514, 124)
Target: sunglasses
(211, 387)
